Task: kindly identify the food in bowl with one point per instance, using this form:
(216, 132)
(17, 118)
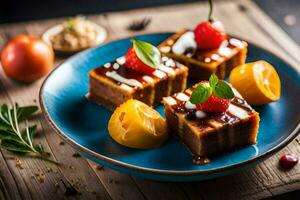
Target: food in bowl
(75, 34)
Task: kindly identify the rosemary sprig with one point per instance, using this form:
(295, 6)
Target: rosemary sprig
(15, 139)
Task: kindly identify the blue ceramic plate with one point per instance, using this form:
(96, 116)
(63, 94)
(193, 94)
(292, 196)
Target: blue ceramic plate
(84, 124)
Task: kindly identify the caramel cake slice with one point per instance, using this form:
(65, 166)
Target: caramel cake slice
(207, 134)
(114, 83)
(202, 63)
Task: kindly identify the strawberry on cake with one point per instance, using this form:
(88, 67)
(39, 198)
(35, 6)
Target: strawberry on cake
(142, 74)
(206, 50)
(211, 117)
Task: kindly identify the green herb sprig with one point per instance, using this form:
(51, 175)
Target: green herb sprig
(16, 139)
(148, 53)
(214, 86)
(70, 23)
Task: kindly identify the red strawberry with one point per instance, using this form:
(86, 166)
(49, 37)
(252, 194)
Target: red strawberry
(209, 35)
(133, 62)
(214, 104)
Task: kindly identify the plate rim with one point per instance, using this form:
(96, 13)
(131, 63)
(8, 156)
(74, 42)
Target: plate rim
(293, 134)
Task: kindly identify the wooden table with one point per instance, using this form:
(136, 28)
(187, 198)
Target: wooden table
(37, 179)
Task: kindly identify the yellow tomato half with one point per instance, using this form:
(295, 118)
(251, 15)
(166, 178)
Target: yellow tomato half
(135, 124)
(258, 82)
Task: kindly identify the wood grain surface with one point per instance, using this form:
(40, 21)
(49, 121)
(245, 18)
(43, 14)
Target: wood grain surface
(242, 18)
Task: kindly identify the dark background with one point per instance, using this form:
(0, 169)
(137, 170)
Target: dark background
(285, 12)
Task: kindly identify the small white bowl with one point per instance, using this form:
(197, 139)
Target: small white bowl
(101, 36)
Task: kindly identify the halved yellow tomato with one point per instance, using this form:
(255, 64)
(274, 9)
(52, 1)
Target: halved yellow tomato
(258, 82)
(135, 124)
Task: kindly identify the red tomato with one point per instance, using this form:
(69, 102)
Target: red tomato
(26, 58)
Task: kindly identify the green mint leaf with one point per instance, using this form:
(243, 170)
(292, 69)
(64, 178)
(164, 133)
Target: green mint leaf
(147, 53)
(213, 80)
(25, 112)
(223, 90)
(201, 93)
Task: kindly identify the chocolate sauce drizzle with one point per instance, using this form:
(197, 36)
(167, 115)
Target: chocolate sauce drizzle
(132, 74)
(225, 117)
(202, 55)
(122, 71)
(241, 103)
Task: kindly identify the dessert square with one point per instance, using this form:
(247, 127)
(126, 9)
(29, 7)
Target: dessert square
(114, 83)
(203, 63)
(208, 134)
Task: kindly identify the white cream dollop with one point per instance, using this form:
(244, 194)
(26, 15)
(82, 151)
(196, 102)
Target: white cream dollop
(107, 65)
(159, 73)
(170, 100)
(121, 60)
(182, 97)
(166, 69)
(236, 43)
(132, 82)
(187, 40)
(190, 106)
(237, 111)
(148, 79)
(116, 66)
(200, 114)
